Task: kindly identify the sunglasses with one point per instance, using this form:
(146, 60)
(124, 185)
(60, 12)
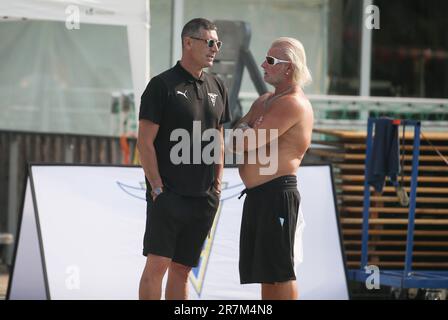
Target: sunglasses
(210, 42)
(273, 61)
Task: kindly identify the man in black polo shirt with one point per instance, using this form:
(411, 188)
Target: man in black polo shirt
(183, 187)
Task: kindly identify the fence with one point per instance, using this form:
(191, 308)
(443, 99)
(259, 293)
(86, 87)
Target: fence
(17, 149)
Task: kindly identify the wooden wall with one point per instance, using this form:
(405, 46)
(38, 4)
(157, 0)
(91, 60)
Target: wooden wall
(388, 219)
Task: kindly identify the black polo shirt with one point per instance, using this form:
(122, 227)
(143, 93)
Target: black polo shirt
(173, 100)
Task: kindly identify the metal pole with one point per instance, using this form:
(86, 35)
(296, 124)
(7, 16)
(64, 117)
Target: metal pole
(412, 203)
(366, 207)
(324, 17)
(69, 148)
(13, 184)
(366, 52)
(177, 21)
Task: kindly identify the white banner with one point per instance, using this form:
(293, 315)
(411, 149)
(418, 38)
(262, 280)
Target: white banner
(82, 231)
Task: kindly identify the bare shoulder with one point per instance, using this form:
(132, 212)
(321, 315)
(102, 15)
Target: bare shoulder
(261, 99)
(304, 105)
(258, 103)
(294, 105)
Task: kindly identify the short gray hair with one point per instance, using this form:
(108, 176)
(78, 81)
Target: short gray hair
(295, 51)
(193, 27)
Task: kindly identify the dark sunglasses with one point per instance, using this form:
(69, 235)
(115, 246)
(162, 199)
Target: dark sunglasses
(210, 42)
(273, 61)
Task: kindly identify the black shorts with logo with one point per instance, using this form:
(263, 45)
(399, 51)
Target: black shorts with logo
(177, 226)
(268, 229)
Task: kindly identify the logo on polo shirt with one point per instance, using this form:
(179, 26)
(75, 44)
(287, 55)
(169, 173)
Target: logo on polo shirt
(182, 93)
(213, 98)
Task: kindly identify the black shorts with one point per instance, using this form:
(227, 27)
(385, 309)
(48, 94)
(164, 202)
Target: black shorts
(177, 226)
(268, 228)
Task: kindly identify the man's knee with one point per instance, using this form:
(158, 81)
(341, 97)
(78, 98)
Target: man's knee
(279, 285)
(156, 266)
(180, 269)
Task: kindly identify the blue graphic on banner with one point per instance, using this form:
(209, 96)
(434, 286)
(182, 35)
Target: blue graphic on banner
(197, 274)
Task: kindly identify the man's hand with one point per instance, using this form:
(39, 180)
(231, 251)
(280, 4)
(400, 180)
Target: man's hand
(217, 186)
(156, 192)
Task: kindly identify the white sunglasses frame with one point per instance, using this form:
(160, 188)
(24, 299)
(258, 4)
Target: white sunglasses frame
(276, 61)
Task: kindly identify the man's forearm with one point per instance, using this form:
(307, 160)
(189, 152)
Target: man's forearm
(219, 167)
(148, 159)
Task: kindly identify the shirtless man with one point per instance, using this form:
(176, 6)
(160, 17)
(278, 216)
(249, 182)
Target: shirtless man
(272, 202)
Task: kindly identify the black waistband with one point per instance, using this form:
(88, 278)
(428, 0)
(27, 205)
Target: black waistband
(282, 183)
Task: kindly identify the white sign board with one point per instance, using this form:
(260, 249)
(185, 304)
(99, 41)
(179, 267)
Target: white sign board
(82, 229)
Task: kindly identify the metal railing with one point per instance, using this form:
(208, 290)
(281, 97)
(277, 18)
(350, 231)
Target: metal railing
(352, 112)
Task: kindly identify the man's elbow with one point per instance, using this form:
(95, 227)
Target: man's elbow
(145, 146)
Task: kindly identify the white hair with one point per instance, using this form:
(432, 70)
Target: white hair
(294, 50)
